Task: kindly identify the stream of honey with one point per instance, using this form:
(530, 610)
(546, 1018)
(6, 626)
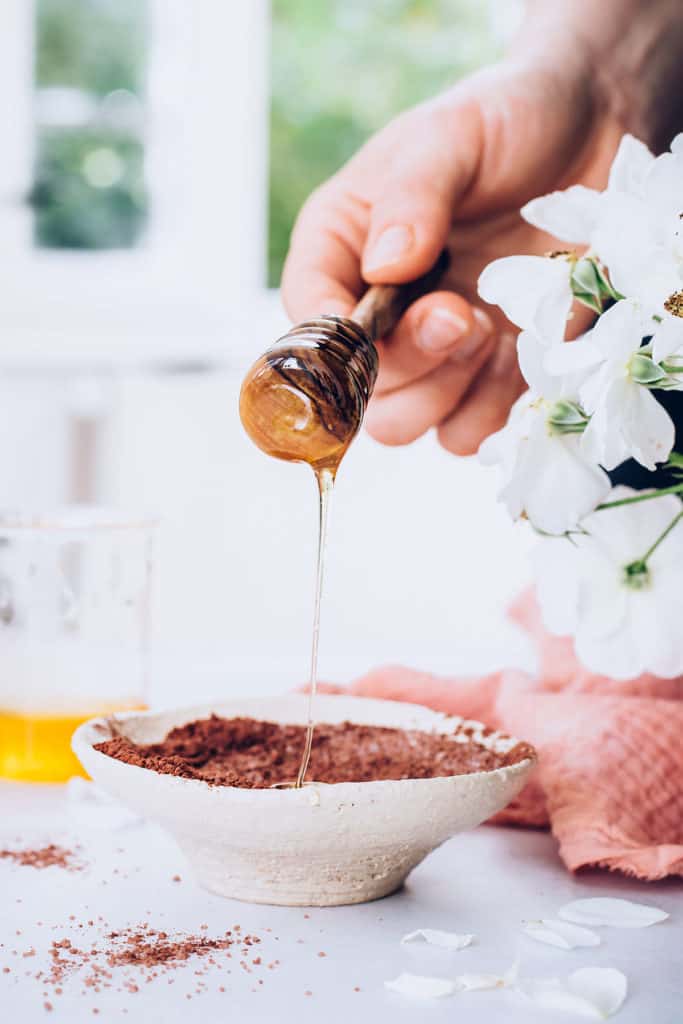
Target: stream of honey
(303, 401)
(325, 480)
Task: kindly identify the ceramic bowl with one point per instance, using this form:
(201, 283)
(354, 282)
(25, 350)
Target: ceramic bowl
(322, 845)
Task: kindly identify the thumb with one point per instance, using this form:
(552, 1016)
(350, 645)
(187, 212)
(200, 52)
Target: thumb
(411, 218)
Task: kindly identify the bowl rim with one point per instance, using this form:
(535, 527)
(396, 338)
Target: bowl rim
(84, 740)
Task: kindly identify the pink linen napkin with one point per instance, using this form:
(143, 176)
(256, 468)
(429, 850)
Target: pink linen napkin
(609, 780)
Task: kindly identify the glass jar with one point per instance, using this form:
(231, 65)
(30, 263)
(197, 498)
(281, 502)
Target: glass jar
(74, 617)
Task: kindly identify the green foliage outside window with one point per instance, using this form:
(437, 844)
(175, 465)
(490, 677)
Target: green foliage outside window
(88, 190)
(340, 70)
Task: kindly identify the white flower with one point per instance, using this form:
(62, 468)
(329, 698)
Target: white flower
(534, 292)
(575, 214)
(625, 615)
(639, 235)
(634, 228)
(571, 216)
(627, 421)
(547, 476)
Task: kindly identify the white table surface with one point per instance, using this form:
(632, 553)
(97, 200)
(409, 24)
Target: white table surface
(486, 882)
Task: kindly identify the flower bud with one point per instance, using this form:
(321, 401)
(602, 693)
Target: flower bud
(643, 370)
(565, 417)
(590, 285)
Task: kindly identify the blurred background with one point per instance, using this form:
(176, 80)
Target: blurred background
(156, 153)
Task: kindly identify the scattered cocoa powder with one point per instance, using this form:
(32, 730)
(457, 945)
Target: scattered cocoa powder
(252, 754)
(140, 954)
(50, 856)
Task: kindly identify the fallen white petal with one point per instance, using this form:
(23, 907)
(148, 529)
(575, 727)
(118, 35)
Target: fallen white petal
(594, 992)
(552, 994)
(447, 940)
(479, 982)
(604, 987)
(561, 934)
(614, 912)
(421, 987)
(482, 982)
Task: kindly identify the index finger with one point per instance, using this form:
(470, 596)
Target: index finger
(322, 273)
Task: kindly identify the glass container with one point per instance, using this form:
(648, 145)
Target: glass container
(74, 620)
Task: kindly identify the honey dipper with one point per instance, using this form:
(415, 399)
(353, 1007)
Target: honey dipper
(305, 398)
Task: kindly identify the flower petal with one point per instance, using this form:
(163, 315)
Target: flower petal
(667, 337)
(572, 357)
(552, 994)
(626, 242)
(478, 982)
(533, 292)
(593, 992)
(557, 584)
(421, 987)
(561, 934)
(570, 216)
(604, 987)
(531, 353)
(619, 331)
(647, 427)
(484, 982)
(630, 166)
(607, 910)
(447, 940)
(560, 486)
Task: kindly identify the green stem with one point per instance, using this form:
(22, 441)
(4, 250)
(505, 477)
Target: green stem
(665, 533)
(648, 496)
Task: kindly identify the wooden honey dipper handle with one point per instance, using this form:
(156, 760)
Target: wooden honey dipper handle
(382, 306)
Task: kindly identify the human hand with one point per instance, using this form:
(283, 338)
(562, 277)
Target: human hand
(454, 172)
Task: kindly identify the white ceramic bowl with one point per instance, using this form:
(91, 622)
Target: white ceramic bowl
(322, 845)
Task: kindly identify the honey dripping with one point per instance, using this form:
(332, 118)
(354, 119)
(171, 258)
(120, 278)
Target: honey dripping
(304, 401)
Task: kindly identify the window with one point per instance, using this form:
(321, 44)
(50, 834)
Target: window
(137, 201)
(132, 209)
(88, 189)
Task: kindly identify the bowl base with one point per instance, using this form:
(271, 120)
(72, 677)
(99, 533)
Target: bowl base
(300, 879)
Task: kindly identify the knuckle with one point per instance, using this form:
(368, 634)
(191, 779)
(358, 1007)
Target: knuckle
(459, 441)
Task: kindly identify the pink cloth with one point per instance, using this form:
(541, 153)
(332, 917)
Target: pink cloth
(609, 780)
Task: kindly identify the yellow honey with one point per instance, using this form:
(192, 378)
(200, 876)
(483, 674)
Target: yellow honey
(36, 747)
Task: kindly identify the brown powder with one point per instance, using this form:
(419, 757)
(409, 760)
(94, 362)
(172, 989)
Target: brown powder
(253, 754)
(50, 856)
(142, 953)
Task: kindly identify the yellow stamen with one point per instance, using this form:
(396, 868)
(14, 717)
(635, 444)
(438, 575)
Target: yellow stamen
(674, 304)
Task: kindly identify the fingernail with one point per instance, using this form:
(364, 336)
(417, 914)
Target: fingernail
(483, 321)
(478, 335)
(440, 329)
(392, 244)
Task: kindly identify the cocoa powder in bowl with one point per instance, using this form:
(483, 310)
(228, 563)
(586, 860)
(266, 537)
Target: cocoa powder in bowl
(252, 754)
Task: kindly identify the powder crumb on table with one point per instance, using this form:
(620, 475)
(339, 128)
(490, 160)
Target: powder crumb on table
(43, 857)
